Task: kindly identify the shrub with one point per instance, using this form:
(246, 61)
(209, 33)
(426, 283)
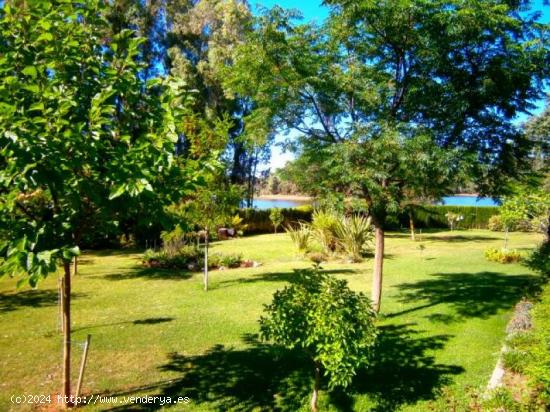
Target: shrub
(173, 241)
(529, 354)
(495, 224)
(503, 255)
(187, 256)
(231, 261)
(321, 316)
(276, 217)
(300, 236)
(352, 234)
(539, 260)
(237, 223)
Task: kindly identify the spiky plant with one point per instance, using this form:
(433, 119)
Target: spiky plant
(323, 225)
(300, 236)
(353, 234)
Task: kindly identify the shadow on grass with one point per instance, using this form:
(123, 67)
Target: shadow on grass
(268, 378)
(150, 273)
(31, 298)
(460, 238)
(111, 252)
(480, 294)
(403, 370)
(148, 321)
(275, 277)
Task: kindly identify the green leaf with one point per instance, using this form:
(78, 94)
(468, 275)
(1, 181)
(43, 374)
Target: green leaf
(45, 36)
(117, 191)
(37, 106)
(30, 71)
(70, 253)
(22, 282)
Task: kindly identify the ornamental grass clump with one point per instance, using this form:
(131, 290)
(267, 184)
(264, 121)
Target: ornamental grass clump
(300, 236)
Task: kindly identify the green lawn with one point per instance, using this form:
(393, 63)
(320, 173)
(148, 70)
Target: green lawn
(444, 311)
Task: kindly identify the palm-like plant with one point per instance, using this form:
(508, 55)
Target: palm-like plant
(324, 224)
(353, 234)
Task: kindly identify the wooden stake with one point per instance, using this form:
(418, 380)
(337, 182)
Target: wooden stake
(83, 365)
(67, 333)
(206, 259)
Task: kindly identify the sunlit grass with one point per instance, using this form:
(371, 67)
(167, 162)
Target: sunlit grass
(444, 310)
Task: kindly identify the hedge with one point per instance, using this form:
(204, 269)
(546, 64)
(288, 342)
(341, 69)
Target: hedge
(429, 216)
(258, 220)
(433, 216)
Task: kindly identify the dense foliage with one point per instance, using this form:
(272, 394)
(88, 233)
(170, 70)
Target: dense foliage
(84, 141)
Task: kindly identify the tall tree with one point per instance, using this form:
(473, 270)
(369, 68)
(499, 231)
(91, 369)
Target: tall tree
(382, 78)
(67, 157)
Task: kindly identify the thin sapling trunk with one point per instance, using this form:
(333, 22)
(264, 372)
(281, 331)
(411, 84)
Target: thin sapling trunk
(206, 259)
(411, 224)
(378, 268)
(316, 385)
(66, 333)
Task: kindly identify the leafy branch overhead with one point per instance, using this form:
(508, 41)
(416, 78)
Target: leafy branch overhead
(84, 140)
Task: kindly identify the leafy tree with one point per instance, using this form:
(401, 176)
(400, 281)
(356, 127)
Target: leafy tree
(68, 158)
(537, 129)
(320, 315)
(383, 80)
(528, 205)
(276, 217)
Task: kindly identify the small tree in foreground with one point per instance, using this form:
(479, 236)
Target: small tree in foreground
(321, 315)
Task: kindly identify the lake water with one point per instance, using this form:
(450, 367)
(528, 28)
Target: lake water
(263, 204)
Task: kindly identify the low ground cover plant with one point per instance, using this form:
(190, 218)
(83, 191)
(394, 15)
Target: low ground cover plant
(190, 257)
(503, 255)
(528, 355)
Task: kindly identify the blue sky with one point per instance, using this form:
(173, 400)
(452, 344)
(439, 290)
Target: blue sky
(314, 10)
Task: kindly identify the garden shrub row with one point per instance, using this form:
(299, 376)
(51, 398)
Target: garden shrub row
(433, 216)
(424, 217)
(258, 221)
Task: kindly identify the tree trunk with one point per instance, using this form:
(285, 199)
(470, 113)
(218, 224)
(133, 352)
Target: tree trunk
(75, 265)
(547, 240)
(67, 333)
(206, 259)
(506, 239)
(411, 223)
(378, 267)
(316, 385)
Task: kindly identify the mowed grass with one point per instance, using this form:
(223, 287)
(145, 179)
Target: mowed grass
(156, 332)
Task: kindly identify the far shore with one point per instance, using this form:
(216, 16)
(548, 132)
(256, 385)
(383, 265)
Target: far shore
(303, 198)
(296, 198)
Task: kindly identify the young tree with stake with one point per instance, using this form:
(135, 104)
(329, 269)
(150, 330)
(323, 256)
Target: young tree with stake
(81, 137)
(320, 315)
